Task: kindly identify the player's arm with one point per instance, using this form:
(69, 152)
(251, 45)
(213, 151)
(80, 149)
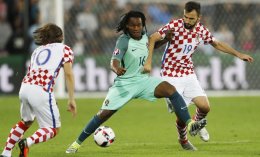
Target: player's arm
(227, 49)
(69, 76)
(152, 40)
(116, 67)
(160, 43)
(168, 37)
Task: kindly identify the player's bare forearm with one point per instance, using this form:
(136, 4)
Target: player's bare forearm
(160, 43)
(167, 38)
(148, 62)
(152, 40)
(116, 67)
(155, 37)
(70, 84)
(69, 76)
(228, 49)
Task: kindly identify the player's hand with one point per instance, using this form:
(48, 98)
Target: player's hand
(120, 71)
(168, 36)
(147, 68)
(72, 107)
(246, 58)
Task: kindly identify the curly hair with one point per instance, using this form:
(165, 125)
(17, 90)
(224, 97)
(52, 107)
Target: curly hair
(121, 26)
(49, 33)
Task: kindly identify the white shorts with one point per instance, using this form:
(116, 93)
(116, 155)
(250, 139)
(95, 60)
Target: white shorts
(35, 102)
(188, 87)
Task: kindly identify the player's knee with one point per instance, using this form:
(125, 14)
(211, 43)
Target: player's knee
(103, 115)
(164, 89)
(207, 108)
(204, 108)
(170, 89)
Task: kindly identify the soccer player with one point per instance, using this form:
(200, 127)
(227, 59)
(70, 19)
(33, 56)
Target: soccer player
(36, 92)
(183, 36)
(129, 56)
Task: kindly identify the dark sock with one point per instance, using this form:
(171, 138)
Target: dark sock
(180, 107)
(93, 124)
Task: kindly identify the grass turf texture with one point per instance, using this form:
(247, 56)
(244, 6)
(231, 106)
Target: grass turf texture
(145, 129)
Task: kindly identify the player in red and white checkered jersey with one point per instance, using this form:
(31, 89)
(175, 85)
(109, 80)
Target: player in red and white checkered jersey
(36, 92)
(183, 36)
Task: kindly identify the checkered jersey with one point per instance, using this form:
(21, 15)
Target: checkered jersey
(45, 64)
(177, 58)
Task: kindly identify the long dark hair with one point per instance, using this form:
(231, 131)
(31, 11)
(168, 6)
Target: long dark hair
(121, 26)
(49, 33)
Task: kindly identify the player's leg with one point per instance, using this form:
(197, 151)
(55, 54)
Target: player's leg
(181, 130)
(114, 101)
(165, 89)
(92, 125)
(20, 128)
(180, 85)
(203, 108)
(47, 113)
(182, 136)
(162, 89)
(197, 95)
(14, 136)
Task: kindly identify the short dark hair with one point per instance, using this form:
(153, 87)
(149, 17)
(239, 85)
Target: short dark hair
(47, 34)
(121, 26)
(189, 6)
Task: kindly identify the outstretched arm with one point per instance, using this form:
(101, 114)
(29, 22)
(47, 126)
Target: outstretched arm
(227, 49)
(152, 40)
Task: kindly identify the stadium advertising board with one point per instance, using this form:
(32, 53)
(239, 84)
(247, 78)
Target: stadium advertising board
(92, 75)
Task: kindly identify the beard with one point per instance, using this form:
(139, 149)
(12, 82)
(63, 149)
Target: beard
(188, 26)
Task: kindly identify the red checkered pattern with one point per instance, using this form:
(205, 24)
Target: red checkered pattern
(41, 135)
(177, 59)
(45, 76)
(15, 135)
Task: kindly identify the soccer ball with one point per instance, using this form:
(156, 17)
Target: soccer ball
(104, 136)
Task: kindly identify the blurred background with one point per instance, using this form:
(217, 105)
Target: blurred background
(89, 28)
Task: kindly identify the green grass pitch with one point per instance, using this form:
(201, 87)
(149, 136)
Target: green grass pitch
(146, 129)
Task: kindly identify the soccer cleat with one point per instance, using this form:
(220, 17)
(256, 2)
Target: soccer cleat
(73, 148)
(204, 135)
(24, 149)
(186, 144)
(195, 126)
(3, 156)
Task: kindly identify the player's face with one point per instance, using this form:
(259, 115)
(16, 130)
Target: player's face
(135, 27)
(190, 19)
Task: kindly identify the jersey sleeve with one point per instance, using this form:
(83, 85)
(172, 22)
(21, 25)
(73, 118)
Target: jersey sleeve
(120, 48)
(169, 26)
(68, 55)
(207, 36)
